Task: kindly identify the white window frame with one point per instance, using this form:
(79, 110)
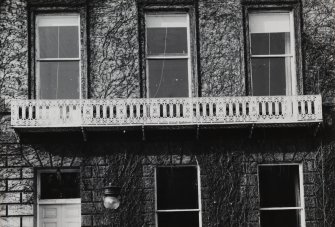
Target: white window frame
(199, 210)
(62, 22)
(162, 57)
(291, 80)
(301, 208)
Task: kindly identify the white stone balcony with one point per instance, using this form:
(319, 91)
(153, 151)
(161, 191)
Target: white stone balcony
(166, 112)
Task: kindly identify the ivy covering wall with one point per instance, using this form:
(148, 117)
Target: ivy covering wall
(229, 190)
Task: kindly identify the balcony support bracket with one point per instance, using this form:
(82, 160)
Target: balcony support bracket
(83, 132)
(143, 133)
(198, 132)
(17, 136)
(251, 131)
(317, 129)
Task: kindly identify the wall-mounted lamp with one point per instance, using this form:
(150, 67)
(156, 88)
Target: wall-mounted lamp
(111, 197)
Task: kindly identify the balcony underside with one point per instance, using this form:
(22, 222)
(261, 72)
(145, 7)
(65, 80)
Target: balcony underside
(165, 113)
(92, 129)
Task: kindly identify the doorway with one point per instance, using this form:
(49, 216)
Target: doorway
(58, 198)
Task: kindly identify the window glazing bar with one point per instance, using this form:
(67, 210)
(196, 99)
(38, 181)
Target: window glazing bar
(178, 210)
(272, 56)
(281, 208)
(167, 57)
(58, 59)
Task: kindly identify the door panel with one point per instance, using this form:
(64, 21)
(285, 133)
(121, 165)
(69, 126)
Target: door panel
(49, 215)
(50, 224)
(49, 212)
(64, 215)
(71, 215)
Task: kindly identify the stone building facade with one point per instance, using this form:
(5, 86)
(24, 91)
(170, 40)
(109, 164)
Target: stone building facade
(230, 160)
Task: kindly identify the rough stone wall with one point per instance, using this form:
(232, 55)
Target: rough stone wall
(114, 47)
(326, 164)
(221, 48)
(228, 173)
(120, 165)
(287, 152)
(229, 180)
(17, 183)
(13, 52)
(228, 170)
(16, 188)
(114, 72)
(319, 46)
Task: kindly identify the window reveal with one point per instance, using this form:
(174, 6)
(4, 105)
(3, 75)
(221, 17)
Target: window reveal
(57, 56)
(178, 202)
(272, 53)
(167, 55)
(281, 197)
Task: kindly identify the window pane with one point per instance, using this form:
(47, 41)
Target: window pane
(59, 42)
(269, 75)
(168, 40)
(168, 78)
(279, 186)
(270, 43)
(48, 80)
(269, 22)
(60, 186)
(260, 76)
(177, 188)
(68, 80)
(57, 20)
(260, 43)
(178, 219)
(277, 76)
(59, 80)
(48, 39)
(68, 42)
(280, 43)
(287, 218)
(166, 20)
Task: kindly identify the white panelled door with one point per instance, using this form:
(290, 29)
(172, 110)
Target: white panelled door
(64, 215)
(59, 203)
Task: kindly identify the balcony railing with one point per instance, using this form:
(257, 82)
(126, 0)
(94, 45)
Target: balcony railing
(166, 111)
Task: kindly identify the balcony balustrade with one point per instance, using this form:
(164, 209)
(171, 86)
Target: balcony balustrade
(166, 111)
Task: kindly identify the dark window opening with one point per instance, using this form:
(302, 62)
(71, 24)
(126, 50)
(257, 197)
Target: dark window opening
(279, 186)
(177, 189)
(60, 185)
(280, 218)
(280, 195)
(178, 219)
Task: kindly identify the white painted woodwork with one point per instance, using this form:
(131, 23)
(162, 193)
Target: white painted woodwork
(269, 22)
(60, 215)
(166, 111)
